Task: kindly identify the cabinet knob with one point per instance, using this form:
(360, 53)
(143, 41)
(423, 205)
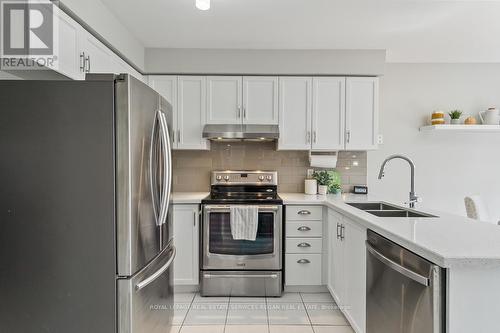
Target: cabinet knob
(304, 212)
(304, 245)
(303, 261)
(303, 228)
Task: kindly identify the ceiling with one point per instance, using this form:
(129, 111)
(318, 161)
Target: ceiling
(410, 31)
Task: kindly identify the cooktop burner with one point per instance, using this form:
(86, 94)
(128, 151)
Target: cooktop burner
(244, 187)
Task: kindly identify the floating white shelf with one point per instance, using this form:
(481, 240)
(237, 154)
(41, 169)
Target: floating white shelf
(461, 128)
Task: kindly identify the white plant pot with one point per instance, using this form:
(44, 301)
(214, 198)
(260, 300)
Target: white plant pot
(455, 121)
(322, 189)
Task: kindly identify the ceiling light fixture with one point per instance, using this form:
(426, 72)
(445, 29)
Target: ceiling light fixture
(203, 4)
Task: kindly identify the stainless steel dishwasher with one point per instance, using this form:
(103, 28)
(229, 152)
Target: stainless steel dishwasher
(404, 292)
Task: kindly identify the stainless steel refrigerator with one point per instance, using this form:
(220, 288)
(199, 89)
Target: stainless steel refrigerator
(85, 217)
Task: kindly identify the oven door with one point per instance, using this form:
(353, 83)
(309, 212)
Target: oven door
(221, 251)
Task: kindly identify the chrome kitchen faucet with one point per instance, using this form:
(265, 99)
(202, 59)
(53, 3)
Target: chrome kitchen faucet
(413, 197)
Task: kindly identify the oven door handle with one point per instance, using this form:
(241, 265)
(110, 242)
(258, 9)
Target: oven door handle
(227, 208)
(258, 276)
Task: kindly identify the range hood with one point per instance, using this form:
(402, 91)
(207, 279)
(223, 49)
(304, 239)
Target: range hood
(241, 132)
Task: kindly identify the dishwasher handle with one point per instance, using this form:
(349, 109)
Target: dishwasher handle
(398, 268)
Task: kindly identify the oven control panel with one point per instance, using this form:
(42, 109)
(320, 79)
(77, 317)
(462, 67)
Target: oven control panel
(244, 177)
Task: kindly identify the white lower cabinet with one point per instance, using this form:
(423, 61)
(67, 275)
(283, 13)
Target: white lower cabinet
(186, 240)
(303, 269)
(303, 245)
(346, 264)
(355, 274)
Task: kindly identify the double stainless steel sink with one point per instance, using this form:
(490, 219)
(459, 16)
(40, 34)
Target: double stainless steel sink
(382, 209)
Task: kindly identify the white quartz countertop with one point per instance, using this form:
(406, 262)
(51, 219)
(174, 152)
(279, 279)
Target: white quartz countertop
(447, 240)
(188, 197)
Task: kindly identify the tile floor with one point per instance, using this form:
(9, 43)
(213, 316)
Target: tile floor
(291, 313)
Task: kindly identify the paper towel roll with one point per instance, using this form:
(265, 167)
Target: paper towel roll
(326, 160)
(311, 186)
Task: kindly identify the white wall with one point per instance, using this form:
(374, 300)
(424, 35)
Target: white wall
(449, 166)
(104, 22)
(268, 62)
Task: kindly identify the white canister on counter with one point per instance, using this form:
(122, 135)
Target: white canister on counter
(311, 186)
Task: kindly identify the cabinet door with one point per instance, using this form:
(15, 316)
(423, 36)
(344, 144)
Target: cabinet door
(224, 100)
(355, 270)
(361, 113)
(166, 85)
(186, 263)
(260, 100)
(302, 269)
(295, 113)
(191, 112)
(337, 260)
(69, 62)
(99, 56)
(328, 112)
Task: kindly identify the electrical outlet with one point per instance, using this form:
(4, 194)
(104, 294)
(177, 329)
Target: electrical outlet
(380, 139)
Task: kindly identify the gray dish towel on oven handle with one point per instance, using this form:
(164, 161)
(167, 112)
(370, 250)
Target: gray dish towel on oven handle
(244, 222)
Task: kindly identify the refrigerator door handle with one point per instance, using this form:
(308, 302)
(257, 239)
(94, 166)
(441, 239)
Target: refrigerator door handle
(153, 169)
(144, 283)
(167, 162)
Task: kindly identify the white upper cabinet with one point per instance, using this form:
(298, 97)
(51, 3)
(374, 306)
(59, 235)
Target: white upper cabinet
(328, 114)
(98, 57)
(260, 100)
(166, 85)
(344, 113)
(191, 112)
(187, 95)
(79, 52)
(361, 113)
(70, 60)
(224, 96)
(295, 113)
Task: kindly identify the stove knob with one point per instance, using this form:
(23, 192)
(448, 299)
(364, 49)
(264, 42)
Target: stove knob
(261, 178)
(269, 178)
(218, 178)
(226, 178)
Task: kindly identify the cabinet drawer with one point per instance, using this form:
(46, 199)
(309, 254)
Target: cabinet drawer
(304, 229)
(302, 269)
(304, 245)
(304, 213)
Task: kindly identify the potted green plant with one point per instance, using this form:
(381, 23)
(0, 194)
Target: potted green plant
(324, 179)
(335, 188)
(455, 117)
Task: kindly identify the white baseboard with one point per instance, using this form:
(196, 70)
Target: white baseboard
(186, 288)
(306, 289)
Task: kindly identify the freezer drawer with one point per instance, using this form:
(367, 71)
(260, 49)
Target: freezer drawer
(145, 301)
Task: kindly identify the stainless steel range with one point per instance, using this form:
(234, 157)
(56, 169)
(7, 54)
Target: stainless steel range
(234, 267)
